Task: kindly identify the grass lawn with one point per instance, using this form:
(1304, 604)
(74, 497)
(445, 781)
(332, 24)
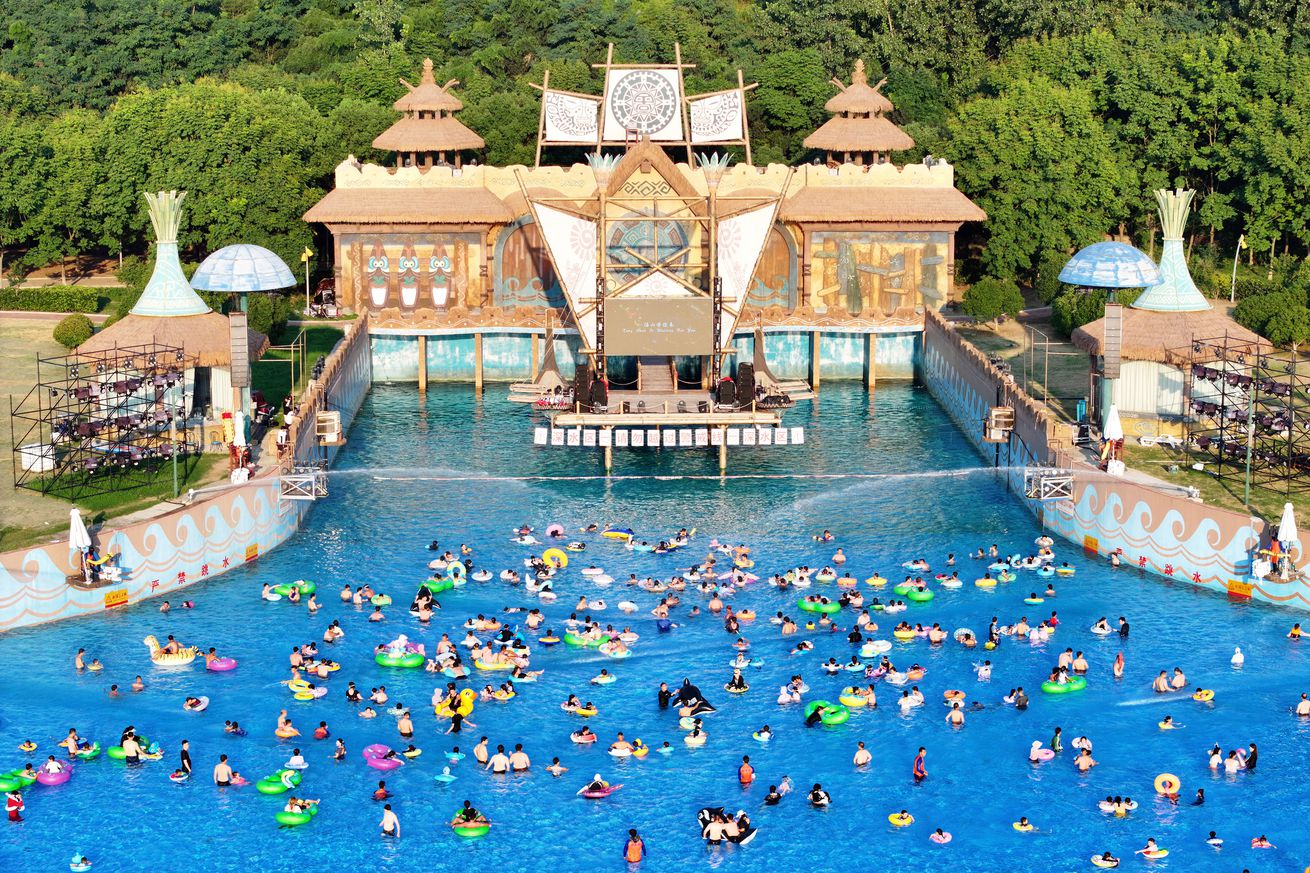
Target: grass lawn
(1156, 460)
(1060, 380)
(271, 374)
(192, 473)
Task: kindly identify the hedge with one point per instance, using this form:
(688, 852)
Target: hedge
(58, 298)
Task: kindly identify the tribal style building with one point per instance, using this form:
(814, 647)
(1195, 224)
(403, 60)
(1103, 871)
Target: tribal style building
(441, 246)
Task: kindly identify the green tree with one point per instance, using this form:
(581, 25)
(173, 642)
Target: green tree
(1043, 167)
(989, 298)
(248, 161)
(67, 221)
(1290, 327)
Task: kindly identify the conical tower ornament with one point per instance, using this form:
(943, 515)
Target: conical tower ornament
(1176, 291)
(168, 292)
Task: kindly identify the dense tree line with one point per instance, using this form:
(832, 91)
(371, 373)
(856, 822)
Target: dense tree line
(1060, 115)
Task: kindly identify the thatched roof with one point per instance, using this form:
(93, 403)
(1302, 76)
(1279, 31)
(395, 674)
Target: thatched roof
(859, 96)
(1149, 335)
(410, 206)
(411, 134)
(872, 204)
(875, 134)
(428, 96)
(204, 337)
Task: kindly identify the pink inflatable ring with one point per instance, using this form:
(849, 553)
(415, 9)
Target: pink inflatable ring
(59, 778)
(221, 665)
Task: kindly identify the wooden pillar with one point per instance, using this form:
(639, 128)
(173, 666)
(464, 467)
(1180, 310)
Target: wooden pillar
(532, 374)
(870, 361)
(609, 451)
(477, 362)
(723, 450)
(815, 350)
(422, 364)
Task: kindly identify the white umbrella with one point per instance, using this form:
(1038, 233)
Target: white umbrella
(1113, 430)
(1287, 527)
(238, 428)
(78, 538)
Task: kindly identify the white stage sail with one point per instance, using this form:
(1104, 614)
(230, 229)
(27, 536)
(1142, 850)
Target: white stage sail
(740, 242)
(572, 244)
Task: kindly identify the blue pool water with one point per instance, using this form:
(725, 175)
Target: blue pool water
(928, 496)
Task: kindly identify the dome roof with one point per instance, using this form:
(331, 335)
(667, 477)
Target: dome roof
(1110, 265)
(241, 268)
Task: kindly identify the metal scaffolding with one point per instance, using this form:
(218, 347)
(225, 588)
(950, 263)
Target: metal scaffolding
(106, 422)
(1248, 410)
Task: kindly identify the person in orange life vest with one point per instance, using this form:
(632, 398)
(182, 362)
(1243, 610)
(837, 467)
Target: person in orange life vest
(745, 773)
(635, 849)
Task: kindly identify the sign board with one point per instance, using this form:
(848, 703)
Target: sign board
(252, 552)
(115, 597)
(659, 326)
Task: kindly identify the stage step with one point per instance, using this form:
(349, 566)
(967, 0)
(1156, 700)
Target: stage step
(655, 375)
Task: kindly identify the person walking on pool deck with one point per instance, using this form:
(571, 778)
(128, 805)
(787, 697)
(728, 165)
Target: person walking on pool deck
(920, 770)
(635, 849)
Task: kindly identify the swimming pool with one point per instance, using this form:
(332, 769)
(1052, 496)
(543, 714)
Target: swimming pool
(410, 474)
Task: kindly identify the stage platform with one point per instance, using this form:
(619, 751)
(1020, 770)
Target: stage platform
(662, 410)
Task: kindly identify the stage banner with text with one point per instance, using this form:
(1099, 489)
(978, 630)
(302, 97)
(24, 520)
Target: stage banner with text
(636, 326)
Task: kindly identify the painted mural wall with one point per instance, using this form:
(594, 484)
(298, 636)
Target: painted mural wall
(875, 273)
(412, 271)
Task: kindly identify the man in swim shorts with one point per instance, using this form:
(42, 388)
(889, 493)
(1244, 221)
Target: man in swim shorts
(499, 762)
(920, 768)
(222, 772)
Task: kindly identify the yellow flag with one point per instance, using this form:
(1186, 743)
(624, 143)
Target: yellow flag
(1241, 241)
(306, 255)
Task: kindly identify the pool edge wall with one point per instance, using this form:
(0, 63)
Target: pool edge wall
(1162, 534)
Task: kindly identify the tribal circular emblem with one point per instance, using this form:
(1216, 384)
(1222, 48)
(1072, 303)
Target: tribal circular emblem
(644, 101)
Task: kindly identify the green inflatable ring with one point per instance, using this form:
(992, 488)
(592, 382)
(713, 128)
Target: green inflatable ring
(572, 639)
(917, 596)
(902, 589)
(293, 819)
(116, 752)
(304, 586)
(88, 754)
(408, 660)
(436, 586)
(274, 784)
(830, 713)
(828, 608)
(381, 600)
(18, 776)
(472, 830)
(9, 783)
(1077, 683)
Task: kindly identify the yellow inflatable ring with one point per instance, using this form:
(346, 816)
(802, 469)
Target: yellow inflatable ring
(303, 695)
(903, 634)
(743, 563)
(875, 581)
(985, 583)
(1167, 783)
(953, 694)
(503, 695)
(1203, 695)
(556, 558)
(901, 820)
(586, 712)
(851, 700)
(1022, 828)
(287, 733)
